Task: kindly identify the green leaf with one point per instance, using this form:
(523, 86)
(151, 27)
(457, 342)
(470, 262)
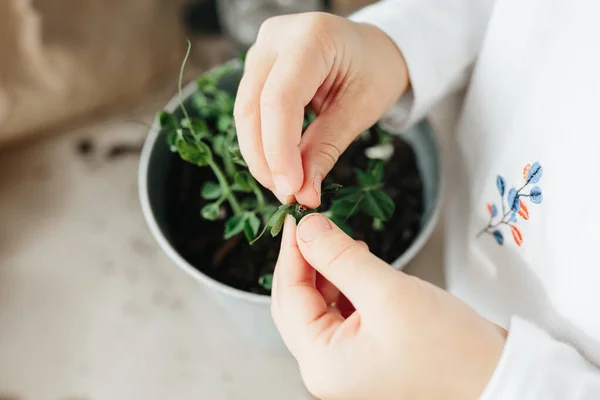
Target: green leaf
(309, 117)
(167, 120)
(211, 211)
(277, 223)
(349, 193)
(377, 170)
(241, 163)
(172, 141)
(235, 225)
(219, 72)
(372, 176)
(244, 181)
(384, 136)
(236, 188)
(206, 81)
(253, 222)
(342, 225)
(248, 203)
(268, 211)
(224, 103)
(269, 224)
(378, 205)
(274, 219)
(364, 178)
(266, 281)
(198, 126)
(251, 226)
(236, 157)
(211, 191)
(223, 122)
(199, 101)
(345, 208)
(196, 152)
(219, 145)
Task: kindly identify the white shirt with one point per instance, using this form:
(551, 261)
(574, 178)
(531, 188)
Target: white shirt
(533, 100)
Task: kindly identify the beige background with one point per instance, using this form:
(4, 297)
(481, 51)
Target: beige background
(65, 61)
(62, 60)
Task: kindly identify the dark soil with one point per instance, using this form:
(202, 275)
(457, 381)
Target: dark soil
(237, 264)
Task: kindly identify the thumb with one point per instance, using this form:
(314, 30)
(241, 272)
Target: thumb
(348, 265)
(321, 145)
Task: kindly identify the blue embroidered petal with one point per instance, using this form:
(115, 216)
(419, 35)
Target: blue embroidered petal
(535, 173)
(513, 200)
(494, 211)
(513, 217)
(536, 195)
(499, 237)
(501, 183)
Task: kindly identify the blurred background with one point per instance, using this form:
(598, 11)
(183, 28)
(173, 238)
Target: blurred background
(90, 308)
(65, 60)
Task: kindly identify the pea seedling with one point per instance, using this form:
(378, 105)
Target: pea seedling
(208, 139)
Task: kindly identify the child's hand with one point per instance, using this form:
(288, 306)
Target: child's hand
(350, 73)
(406, 339)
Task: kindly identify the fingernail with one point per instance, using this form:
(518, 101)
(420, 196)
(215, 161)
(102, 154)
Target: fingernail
(317, 182)
(282, 186)
(284, 199)
(312, 226)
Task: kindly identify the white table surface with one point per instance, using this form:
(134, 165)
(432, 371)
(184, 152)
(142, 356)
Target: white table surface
(91, 309)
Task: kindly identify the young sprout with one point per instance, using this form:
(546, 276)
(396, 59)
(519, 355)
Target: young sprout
(203, 133)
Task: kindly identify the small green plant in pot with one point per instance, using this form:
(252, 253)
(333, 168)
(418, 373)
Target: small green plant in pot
(226, 224)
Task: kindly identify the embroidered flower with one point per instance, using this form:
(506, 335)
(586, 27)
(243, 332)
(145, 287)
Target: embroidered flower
(515, 205)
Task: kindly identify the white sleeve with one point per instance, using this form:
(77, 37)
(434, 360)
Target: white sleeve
(439, 40)
(535, 366)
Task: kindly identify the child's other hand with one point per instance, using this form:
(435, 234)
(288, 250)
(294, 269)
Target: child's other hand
(389, 336)
(350, 73)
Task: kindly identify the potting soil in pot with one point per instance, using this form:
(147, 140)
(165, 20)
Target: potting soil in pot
(238, 264)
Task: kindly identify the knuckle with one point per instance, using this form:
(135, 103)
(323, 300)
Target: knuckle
(318, 28)
(317, 22)
(342, 254)
(242, 109)
(328, 152)
(273, 99)
(269, 27)
(251, 55)
(274, 156)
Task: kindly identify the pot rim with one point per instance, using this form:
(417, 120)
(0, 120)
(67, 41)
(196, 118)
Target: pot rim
(262, 299)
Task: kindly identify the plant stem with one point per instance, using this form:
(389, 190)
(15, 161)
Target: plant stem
(260, 197)
(355, 207)
(228, 164)
(180, 82)
(225, 188)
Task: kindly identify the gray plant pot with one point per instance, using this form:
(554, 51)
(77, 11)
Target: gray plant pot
(249, 312)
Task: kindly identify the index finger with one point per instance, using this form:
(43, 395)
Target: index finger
(247, 112)
(290, 87)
